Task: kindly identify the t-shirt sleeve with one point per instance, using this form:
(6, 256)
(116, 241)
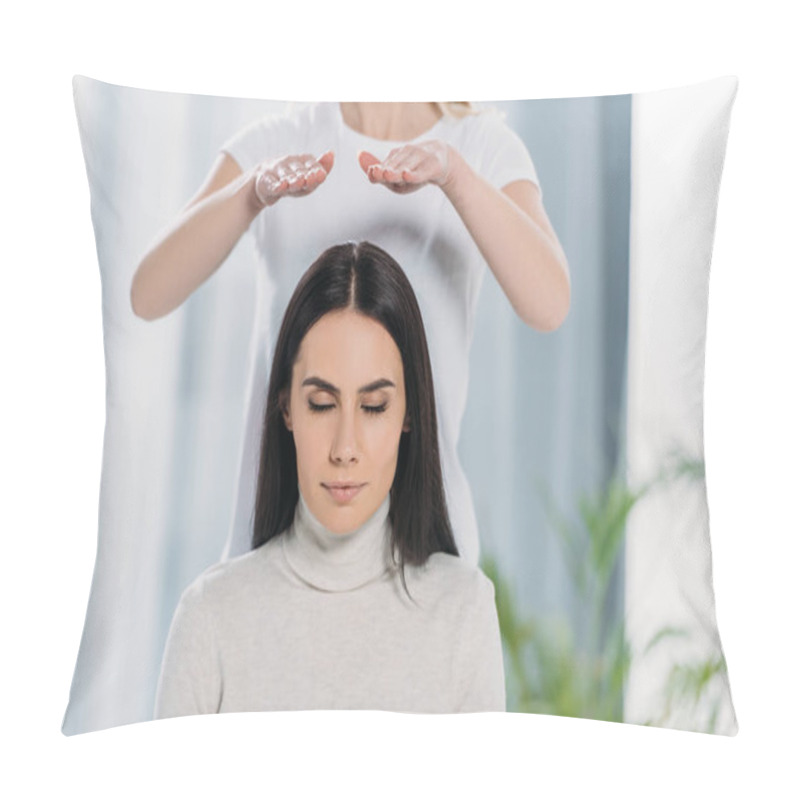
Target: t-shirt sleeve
(507, 158)
(481, 679)
(190, 680)
(256, 142)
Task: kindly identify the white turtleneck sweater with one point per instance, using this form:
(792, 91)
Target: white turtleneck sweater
(319, 620)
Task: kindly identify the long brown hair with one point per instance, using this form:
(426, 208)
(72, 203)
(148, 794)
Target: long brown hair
(367, 279)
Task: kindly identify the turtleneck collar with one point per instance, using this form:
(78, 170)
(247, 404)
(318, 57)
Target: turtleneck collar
(338, 562)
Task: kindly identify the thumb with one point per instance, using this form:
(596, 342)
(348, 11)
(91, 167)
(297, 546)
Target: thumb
(366, 160)
(326, 160)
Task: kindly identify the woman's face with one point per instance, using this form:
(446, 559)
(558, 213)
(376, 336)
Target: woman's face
(347, 412)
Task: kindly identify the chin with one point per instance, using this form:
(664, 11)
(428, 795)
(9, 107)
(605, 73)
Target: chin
(347, 517)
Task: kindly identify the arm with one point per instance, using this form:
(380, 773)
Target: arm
(191, 677)
(211, 224)
(513, 233)
(199, 241)
(510, 226)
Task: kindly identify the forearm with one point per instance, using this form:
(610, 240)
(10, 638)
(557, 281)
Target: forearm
(528, 262)
(193, 248)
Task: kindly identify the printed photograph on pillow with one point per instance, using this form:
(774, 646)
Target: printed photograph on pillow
(404, 407)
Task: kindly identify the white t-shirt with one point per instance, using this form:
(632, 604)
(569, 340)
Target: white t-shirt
(421, 231)
(320, 620)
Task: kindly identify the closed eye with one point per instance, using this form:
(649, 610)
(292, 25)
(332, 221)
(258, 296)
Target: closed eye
(320, 407)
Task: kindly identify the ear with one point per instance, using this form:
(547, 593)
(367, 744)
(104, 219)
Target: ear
(407, 424)
(286, 411)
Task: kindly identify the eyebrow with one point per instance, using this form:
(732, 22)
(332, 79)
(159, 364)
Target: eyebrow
(381, 383)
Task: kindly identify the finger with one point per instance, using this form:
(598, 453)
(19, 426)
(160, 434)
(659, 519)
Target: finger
(307, 161)
(295, 173)
(308, 176)
(421, 169)
(312, 174)
(326, 161)
(400, 156)
(314, 170)
(393, 166)
(383, 171)
(302, 169)
(409, 163)
(275, 182)
(367, 160)
(282, 170)
(300, 186)
(376, 173)
(315, 176)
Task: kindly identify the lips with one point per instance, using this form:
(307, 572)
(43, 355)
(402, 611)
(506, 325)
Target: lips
(343, 491)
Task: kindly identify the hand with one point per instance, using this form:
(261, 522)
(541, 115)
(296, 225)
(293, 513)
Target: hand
(411, 166)
(294, 176)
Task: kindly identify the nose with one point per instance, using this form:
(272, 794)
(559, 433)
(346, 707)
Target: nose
(344, 448)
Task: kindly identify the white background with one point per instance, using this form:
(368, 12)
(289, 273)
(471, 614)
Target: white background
(53, 401)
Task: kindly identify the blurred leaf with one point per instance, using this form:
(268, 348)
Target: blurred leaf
(663, 634)
(547, 672)
(605, 517)
(569, 537)
(688, 682)
(678, 465)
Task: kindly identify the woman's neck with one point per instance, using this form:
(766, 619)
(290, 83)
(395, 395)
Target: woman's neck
(337, 562)
(390, 121)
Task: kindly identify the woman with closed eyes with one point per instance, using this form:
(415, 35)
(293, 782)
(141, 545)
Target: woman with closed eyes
(353, 596)
(447, 189)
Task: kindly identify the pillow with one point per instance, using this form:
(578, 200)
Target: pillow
(569, 407)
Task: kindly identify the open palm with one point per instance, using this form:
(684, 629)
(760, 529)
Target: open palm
(409, 167)
(293, 176)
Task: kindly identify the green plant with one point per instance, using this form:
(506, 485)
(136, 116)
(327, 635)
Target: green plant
(548, 671)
